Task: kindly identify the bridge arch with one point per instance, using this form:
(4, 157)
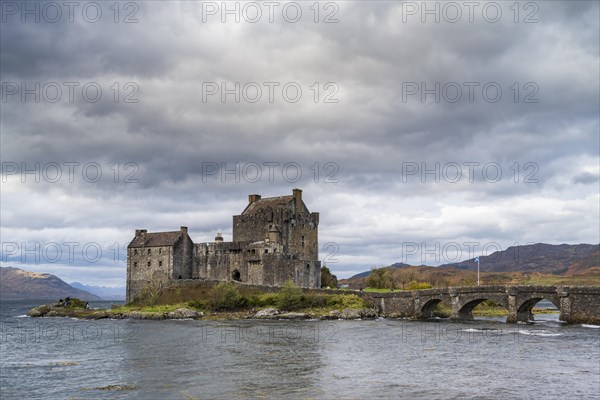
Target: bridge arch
(464, 308)
(428, 309)
(525, 309)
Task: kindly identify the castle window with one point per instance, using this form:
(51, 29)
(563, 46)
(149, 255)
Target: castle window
(135, 252)
(149, 251)
(148, 263)
(160, 263)
(159, 251)
(302, 241)
(266, 251)
(135, 265)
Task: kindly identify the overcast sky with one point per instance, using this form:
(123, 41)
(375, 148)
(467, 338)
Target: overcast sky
(420, 135)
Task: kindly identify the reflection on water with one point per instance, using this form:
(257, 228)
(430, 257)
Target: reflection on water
(62, 358)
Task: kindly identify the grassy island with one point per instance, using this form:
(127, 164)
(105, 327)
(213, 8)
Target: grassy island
(226, 301)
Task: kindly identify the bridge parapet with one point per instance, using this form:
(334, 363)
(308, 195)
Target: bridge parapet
(577, 304)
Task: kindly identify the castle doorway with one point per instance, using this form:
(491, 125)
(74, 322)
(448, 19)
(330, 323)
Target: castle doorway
(236, 276)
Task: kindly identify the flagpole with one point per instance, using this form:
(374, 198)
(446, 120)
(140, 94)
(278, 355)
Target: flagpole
(477, 271)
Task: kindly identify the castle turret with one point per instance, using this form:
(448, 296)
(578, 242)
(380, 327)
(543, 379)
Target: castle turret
(219, 238)
(274, 234)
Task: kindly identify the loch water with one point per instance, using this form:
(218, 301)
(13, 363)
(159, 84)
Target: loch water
(63, 358)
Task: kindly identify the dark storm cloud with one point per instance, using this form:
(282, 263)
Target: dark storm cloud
(371, 198)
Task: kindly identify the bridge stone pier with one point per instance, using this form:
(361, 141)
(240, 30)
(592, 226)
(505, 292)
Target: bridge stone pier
(577, 304)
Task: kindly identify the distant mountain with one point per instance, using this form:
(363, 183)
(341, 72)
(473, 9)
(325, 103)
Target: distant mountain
(18, 284)
(561, 259)
(107, 293)
(367, 273)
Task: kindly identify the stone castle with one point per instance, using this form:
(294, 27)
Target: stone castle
(275, 239)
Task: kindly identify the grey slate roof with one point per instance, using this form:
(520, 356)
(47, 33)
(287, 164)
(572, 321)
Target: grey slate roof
(155, 239)
(269, 202)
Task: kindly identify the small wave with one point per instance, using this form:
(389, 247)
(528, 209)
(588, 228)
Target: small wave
(484, 330)
(590, 326)
(538, 333)
(23, 316)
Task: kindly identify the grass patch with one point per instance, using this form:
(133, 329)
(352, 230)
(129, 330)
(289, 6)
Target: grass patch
(156, 308)
(377, 290)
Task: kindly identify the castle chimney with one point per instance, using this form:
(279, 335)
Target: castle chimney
(253, 198)
(138, 232)
(298, 199)
(184, 229)
(219, 238)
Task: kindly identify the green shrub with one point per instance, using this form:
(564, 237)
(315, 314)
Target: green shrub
(225, 296)
(290, 296)
(75, 303)
(314, 300)
(345, 301)
(263, 300)
(414, 285)
(379, 278)
(197, 304)
(328, 280)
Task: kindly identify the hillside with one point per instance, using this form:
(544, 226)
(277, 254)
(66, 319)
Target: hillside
(18, 284)
(533, 264)
(539, 257)
(589, 263)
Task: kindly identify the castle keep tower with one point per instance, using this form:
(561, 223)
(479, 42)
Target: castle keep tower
(275, 239)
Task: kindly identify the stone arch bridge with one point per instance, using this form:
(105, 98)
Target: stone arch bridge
(577, 304)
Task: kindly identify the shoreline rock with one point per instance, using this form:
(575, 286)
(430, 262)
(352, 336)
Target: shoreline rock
(58, 310)
(267, 313)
